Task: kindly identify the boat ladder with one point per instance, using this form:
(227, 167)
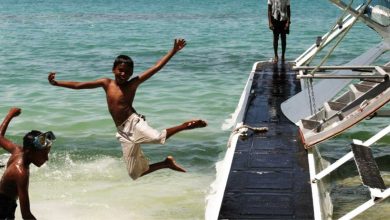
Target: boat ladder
(368, 171)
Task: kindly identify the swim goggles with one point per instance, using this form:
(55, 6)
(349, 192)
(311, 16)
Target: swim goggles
(44, 140)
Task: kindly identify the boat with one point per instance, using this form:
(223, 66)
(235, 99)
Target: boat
(272, 167)
(361, 101)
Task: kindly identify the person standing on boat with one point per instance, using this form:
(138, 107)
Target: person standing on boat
(279, 22)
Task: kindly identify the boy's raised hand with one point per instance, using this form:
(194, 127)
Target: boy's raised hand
(51, 78)
(179, 44)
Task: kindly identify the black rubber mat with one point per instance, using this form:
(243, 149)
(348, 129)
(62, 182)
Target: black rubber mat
(269, 178)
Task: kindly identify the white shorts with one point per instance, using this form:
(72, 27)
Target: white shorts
(132, 133)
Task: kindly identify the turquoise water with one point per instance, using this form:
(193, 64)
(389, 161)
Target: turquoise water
(79, 39)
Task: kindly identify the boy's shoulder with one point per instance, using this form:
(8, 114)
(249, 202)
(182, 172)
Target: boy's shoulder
(105, 81)
(17, 155)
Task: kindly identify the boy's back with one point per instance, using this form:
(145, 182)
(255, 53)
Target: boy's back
(15, 171)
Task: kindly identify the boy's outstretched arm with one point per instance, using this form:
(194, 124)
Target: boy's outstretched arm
(177, 46)
(4, 142)
(77, 85)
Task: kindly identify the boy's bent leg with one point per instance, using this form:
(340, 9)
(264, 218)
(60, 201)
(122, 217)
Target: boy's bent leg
(135, 160)
(169, 162)
(185, 126)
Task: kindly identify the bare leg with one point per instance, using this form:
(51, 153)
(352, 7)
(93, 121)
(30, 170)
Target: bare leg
(169, 162)
(283, 38)
(186, 126)
(276, 39)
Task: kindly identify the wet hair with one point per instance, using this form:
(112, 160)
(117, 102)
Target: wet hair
(28, 139)
(123, 59)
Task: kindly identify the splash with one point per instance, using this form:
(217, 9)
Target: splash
(229, 122)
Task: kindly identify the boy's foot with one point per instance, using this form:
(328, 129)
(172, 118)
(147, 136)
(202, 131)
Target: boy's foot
(283, 59)
(173, 165)
(195, 124)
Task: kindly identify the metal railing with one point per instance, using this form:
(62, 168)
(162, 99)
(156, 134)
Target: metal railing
(376, 196)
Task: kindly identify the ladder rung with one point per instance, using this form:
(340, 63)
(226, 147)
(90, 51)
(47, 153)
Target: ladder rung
(310, 124)
(337, 106)
(348, 97)
(363, 88)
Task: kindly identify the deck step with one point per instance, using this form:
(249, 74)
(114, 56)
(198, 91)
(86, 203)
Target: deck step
(355, 90)
(367, 167)
(310, 124)
(337, 106)
(333, 108)
(348, 96)
(363, 87)
(371, 82)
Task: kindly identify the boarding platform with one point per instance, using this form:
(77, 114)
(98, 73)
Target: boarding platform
(269, 174)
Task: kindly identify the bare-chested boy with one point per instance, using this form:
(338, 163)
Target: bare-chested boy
(132, 128)
(15, 180)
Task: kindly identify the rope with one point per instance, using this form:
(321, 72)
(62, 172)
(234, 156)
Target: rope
(312, 101)
(255, 129)
(245, 128)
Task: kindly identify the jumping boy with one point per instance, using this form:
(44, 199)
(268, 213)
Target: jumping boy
(15, 180)
(132, 129)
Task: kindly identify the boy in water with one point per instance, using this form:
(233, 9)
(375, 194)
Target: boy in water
(132, 128)
(15, 180)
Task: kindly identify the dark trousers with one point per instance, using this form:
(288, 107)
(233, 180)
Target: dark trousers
(279, 29)
(7, 207)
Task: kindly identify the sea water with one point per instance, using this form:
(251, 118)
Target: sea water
(85, 177)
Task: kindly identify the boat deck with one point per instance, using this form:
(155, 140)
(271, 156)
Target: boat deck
(269, 177)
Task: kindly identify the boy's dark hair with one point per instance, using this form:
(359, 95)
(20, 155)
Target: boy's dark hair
(28, 139)
(123, 59)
